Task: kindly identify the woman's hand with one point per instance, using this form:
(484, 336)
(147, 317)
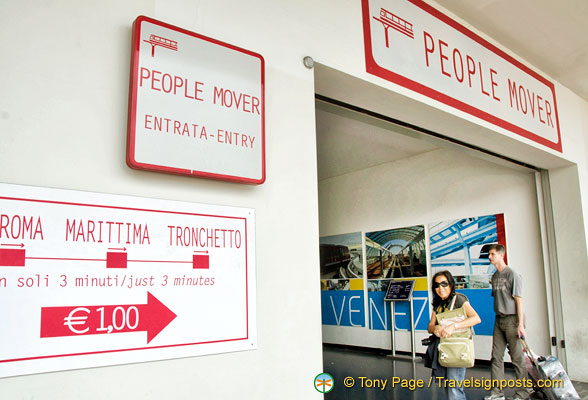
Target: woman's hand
(437, 331)
(447, 331)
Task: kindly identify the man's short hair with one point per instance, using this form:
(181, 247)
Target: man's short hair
(497, 247)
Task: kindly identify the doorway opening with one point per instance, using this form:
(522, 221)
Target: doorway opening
(391, 195)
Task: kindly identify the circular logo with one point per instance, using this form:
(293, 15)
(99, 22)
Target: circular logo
(324, 383)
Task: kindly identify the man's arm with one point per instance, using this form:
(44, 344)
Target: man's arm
(520, 315)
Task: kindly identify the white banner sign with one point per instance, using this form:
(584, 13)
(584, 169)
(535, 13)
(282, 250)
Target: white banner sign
(89, 279)
(412, 44)
(196, 105)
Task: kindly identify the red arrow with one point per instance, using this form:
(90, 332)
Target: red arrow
(152, 317)
(17, 245)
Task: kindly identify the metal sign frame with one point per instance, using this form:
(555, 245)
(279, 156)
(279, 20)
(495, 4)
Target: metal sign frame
(197, 85)
(404, 286)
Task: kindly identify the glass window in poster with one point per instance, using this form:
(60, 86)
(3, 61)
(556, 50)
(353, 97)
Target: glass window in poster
(397, 254)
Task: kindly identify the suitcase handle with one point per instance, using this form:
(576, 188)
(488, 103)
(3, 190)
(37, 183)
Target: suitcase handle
(528, 350)
(525, 345)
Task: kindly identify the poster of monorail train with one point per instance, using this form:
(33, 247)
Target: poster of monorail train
(397, 254)
(461, 247)
(342, 294)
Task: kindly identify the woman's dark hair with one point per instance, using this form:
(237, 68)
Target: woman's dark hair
(436, 299)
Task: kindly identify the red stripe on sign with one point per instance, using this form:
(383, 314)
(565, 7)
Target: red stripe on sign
(200, 261)
(116, 260)
(501, 233)
(12, 257)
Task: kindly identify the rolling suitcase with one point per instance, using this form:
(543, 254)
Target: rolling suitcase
(548, 369)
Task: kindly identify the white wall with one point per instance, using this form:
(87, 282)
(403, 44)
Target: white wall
(569, 191)
(573, 274)
(64, 81)
(437, 186)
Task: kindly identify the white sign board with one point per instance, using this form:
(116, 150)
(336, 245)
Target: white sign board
(196, 105)
(89, 279)
(414, 45)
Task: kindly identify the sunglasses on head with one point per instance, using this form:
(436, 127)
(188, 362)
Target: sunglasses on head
(437, 284)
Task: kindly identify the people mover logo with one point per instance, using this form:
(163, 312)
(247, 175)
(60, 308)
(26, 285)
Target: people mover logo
(155, 41)
(324, 383)
(393, 21)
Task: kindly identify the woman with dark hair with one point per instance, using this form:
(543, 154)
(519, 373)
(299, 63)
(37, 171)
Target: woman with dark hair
(443, 288)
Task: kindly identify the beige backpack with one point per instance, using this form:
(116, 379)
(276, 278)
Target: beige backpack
(458, 349)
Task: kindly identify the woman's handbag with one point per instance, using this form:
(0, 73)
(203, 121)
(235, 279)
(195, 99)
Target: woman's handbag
(458, 349)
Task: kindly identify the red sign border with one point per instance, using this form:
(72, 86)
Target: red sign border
(153, 211)
(132, 114)
(373, 68)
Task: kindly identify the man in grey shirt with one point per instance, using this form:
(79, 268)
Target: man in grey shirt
(507, 290)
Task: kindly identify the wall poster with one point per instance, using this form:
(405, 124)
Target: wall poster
(397, 254)
(342, 289)
(461, 247)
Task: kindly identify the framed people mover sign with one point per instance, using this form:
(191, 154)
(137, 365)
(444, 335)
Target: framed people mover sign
(414, 45)
(196, 105)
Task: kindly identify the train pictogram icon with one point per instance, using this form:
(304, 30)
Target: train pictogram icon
(393, 21)
(155, 41)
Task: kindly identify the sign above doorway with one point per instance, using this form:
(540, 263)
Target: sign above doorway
(412, 44)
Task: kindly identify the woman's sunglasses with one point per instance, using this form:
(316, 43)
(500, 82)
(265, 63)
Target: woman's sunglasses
(437, 284)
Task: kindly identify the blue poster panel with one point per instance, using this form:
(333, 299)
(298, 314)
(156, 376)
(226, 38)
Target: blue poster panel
(461, 247)
(343, 307)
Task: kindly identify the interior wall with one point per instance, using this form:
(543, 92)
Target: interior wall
(570, 238)
(569, 192)
(64, 84)
(436, 186)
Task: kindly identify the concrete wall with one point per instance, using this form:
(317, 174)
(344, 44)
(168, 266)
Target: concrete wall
(570, 231)
(64, 81)
(569, 191)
